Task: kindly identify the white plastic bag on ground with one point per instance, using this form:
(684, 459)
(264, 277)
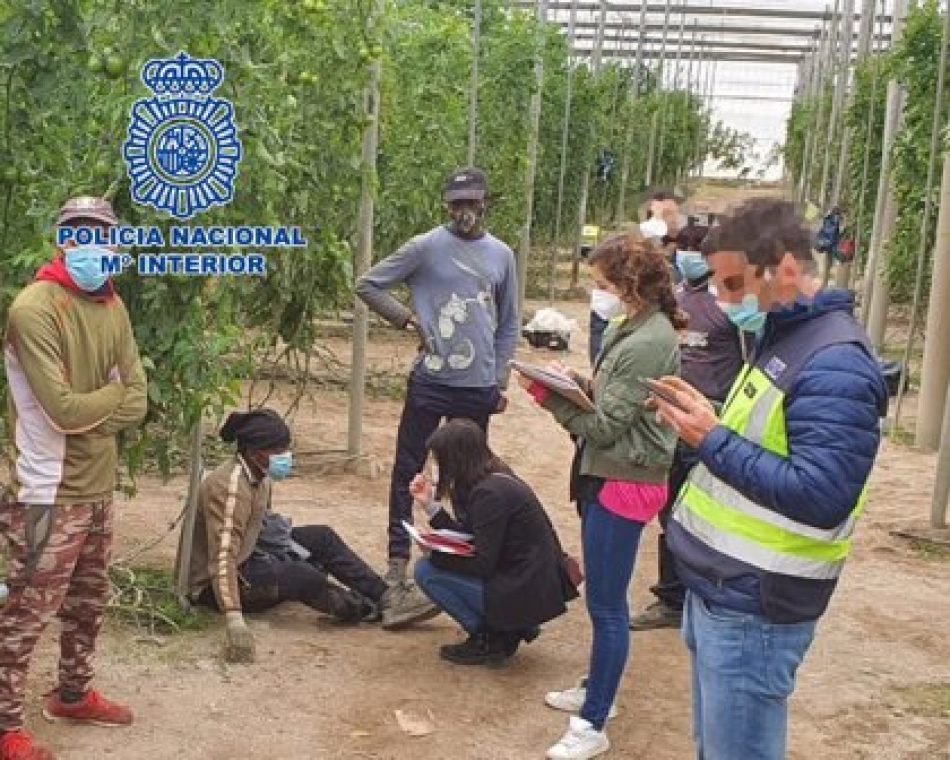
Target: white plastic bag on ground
(551, 320)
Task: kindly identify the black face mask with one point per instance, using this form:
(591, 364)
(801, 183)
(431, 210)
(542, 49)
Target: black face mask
(467, 220)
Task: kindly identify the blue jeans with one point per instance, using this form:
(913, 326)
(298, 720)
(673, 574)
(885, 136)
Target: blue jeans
(461, 597)
(743, 673)
(598, 326)
(610, 549)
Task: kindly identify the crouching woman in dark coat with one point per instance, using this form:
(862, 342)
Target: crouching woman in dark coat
(516, 578)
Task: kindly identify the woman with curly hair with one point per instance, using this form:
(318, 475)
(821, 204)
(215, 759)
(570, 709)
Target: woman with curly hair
(620, 470)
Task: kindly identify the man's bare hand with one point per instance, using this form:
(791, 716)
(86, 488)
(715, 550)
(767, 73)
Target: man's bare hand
(694, 421)
(238, 639)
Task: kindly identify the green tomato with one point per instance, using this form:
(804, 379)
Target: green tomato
(115, 66)
(95, 64)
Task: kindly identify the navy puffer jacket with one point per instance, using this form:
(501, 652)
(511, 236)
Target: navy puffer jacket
(832, 415)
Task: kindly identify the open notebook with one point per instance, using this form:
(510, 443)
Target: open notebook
(442, 540)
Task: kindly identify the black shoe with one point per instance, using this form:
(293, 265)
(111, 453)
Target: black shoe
(530, 634)
(481, 649)
(347, 606)
(372, 613)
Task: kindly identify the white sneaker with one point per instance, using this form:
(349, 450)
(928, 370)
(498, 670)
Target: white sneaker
(572, 700)
(581, 742)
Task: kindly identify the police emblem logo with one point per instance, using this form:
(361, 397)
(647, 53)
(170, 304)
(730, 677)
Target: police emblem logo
(775, 367)
(182, 151)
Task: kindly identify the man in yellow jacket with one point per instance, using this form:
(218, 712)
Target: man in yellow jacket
(75, 380)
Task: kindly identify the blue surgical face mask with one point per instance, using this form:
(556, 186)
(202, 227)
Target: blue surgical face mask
(691, 264)
(279, 465)
(85, 265)
(746, 315)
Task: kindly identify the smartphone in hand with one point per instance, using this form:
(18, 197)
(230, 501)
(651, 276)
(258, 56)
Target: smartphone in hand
(661, 391)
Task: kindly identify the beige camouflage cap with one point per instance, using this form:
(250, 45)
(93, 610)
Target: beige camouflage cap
(87, 207)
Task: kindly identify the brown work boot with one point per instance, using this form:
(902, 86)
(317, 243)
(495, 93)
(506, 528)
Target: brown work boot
(397, 572)
(405, 604)
(655, 616)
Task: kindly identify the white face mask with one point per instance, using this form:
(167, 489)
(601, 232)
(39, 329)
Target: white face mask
(605, 305)
(654, 228)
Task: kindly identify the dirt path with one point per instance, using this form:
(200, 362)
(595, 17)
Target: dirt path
(319, 690)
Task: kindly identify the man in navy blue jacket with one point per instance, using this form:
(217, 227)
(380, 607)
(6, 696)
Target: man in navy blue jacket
(763, 526)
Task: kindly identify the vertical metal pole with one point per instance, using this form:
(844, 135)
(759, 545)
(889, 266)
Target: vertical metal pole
(656, 156)
(845, 74)
(846, 273)
(935, 371)
(875, 293)
(669, 101)
(818, 90)
(364, 245)
(565, 135)
(524, 250)
(938, 509)
(187, 535)
(628, 138)
(831, 131)
(846, 35)
(585, 177)
(698, 157)
(936, 131)
(473, 93)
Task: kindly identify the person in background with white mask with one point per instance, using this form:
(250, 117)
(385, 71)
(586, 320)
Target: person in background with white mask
(605, 306)
(75, 380)
(246, 558)
(712, 350)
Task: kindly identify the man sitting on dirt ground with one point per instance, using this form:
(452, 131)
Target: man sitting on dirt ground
(763, 526)
(76, 380)
(247, 558)
(465, 296)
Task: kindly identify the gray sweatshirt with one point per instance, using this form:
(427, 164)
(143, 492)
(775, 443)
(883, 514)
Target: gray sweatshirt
(465, 296)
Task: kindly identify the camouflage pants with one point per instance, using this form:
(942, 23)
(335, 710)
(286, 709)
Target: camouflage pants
(58, 563)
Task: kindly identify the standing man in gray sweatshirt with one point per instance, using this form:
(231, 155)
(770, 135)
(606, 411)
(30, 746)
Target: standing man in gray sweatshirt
(464, 292)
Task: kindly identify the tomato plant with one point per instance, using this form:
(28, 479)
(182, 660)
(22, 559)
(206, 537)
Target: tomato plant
(296, 74)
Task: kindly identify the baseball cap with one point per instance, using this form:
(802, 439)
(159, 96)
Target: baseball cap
(469, 184)
(87, 207)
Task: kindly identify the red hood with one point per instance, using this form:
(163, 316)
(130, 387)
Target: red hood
(55, 271)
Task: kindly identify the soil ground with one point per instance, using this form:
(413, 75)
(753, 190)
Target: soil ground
(876, 683)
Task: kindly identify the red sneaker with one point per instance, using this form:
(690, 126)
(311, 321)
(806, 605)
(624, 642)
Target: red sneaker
(92, 708)
(19, 745)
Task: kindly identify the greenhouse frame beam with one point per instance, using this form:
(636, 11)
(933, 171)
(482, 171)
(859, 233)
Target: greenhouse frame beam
(798, 50)
(696, 9)
(749, 55)
(759, 31)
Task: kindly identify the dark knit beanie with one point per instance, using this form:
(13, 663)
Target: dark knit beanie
(258, 429)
